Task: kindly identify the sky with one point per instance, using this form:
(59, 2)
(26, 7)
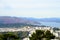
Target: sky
(30, 8)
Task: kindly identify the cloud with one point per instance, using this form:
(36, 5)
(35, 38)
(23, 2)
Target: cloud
(30, 8)
(29, 4)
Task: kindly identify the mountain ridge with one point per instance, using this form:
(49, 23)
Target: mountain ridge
(8, 19)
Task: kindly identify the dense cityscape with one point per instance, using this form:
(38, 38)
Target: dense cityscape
(31, 30)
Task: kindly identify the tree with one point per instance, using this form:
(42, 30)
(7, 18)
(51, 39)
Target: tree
(49, 35)
(41, 35)
(9, 36)
(1, 37)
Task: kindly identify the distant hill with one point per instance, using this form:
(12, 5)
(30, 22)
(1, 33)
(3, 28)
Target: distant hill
(8, 21)
(45, 19)
(50, 20)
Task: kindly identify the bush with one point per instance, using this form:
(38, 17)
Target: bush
(40, 34)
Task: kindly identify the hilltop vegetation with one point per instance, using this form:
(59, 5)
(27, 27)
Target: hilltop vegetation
(13, 35)
(42, 35)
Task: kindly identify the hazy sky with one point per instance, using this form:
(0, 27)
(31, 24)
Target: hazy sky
(30, 8)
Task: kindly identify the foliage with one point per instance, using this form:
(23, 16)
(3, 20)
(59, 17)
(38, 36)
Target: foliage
(9, 36)
(41, 35)
(55, 28)
(13, 35)
(23, 34)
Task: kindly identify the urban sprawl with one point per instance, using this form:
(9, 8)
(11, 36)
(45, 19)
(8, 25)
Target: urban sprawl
(31, 30)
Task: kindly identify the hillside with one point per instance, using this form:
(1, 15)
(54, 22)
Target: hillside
(45, 19)
(7, 21)
(50, 20)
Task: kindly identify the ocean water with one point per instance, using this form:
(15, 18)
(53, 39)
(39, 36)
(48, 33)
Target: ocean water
(51, 24)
